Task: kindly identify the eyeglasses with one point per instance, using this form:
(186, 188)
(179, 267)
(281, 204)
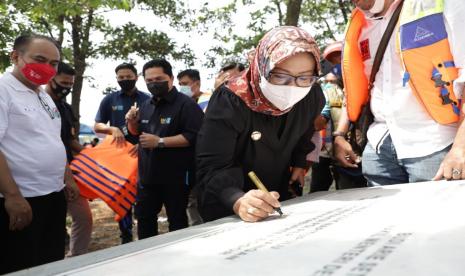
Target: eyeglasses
(46, 107)
(332, 81)
(285, 79)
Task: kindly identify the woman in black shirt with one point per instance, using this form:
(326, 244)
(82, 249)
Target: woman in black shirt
(261, 121)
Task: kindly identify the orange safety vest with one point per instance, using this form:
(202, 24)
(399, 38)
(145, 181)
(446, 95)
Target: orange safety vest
(425, 53)
(109, 173)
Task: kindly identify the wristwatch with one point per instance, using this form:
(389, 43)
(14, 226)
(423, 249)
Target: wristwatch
(161, 143)
(338, 133)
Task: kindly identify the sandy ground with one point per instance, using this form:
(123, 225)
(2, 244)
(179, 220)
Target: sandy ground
(105, 232)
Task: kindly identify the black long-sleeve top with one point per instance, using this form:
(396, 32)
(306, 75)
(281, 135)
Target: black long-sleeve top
(226, 151)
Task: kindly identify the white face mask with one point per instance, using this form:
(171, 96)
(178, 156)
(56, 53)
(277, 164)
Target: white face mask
(282, 96)
(186, 90)
(378, 7)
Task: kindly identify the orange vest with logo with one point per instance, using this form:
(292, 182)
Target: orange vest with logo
(109, 173)
(428, 64)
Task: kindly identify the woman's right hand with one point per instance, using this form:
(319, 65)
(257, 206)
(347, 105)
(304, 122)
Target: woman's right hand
(256, 205)
(344, 153)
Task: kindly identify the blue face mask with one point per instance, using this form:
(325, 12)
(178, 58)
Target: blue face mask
(186, 90)
(337, 70)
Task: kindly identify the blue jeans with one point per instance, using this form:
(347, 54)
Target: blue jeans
(384, 168)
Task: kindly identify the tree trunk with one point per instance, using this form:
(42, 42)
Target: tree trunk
(344, 6)
(280, 13)
(61, 28)
(293, 12)
(79, 65)
(80, 36)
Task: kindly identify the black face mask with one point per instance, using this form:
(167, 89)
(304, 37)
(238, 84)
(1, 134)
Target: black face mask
(127, 85)
(158, 88)
(60, 91)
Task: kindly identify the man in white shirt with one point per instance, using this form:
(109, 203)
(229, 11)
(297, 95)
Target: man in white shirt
(406, 143)
(32, 160)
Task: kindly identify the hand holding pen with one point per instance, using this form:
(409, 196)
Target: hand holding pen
(133, 114)
(256, 205)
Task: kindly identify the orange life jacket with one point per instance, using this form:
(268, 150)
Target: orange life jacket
(109, 173)
(425, 54)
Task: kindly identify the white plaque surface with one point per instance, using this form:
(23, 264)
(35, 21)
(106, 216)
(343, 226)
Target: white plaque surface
(410, 229)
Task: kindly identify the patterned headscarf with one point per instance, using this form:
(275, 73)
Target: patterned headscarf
(276, 46)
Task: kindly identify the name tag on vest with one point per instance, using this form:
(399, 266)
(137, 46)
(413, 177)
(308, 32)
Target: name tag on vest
(365, 49)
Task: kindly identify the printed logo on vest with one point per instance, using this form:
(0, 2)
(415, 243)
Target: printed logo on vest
(165, 121)
(365, 49)
(117, 107)
(422, 33)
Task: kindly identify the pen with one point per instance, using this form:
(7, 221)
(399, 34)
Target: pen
(262, 187)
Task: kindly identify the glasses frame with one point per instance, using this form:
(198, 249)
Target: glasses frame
(46, 107)
(293, 78)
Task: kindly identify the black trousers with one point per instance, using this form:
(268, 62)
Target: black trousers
(324, 172)
(321, 175)
(173, 194)
(43, 241)
(125, 227)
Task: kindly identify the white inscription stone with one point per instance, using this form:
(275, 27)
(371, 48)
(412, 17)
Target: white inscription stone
(414, 229)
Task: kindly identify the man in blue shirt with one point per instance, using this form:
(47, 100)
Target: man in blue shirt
(112, 110)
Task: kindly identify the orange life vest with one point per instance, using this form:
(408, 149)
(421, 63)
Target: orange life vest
(426, 57)
(109, 173)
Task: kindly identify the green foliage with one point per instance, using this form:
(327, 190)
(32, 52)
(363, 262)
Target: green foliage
(173, 10)
(230, 46)
(71, 22)
(122, 41)
(327, 19)
(74, 23)
(6, 36)
(8, 32)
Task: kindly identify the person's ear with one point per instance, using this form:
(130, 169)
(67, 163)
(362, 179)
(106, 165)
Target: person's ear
(53, 83)
(14, 57)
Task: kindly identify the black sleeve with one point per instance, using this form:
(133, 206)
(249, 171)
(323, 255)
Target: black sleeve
(305, 145)
(74, 121)
(220, 178)
(191, 121)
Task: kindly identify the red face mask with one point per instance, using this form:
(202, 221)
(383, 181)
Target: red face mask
(38, 73)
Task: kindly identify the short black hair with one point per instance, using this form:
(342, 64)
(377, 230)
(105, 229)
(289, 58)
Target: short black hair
(233, 65)
(22, 41)
(191, 73)
(159, 62)
(126, 65)
(64, 68)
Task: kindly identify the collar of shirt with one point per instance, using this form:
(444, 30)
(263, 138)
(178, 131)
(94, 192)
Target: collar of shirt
(388, 13)
(135, 95)
(170, 97)
(19, 86)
